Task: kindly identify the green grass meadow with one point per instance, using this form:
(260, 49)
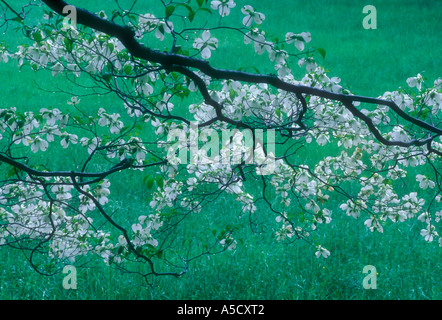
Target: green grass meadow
(407, 41)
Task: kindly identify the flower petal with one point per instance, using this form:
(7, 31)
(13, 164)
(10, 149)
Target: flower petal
(206, 35)
(206, 53)
(299, 45)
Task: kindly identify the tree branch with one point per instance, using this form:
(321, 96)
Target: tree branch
(124, 164)
(180, 63)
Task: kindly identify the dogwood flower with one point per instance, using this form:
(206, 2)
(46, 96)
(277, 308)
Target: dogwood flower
(165, 103)
(163, 28)
(298, 39)
(192, 182)
(39, 144)
(279, 56)
(86, 203)
(309, 63)
(223, 6)
(251, 15)
(132, 111)
(412, 203)
(415, 81)
(322, 139)
(424, 182)
(438, 216)
(57, 68)
(321, 252)
(92, 144)
(67, 138)
(157, 124)
(373, 224)
(425, 217)
(429, 233)
(101, 191)
(75, 69)
(74, 101)
(206, 44)
(115, 123)
(229, 242)
(4, 56)
(147, 23)
(145, 88)
(51, 116)
(62, 191)
(259, 40)
(399, 134)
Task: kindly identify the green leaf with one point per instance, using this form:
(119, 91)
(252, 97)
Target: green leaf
(191, 12)
(186, 242)
(169, 10)
(37, 36)
(78, 119)
(200, 3)
(12, 172)
(18, 19)
(107, 77)
(322, 52)
(110, 46)
(160, 181)
(160, 253)
(149, 182)
(127, 68)
(20, 124)
(176, 49)
(191, 16)
(189, 8)
(133, 18)
(68, 44)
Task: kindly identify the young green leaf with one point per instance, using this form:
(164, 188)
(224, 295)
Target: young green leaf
(169, 10)
(322, 52)
(37, 36)
(160, 181)
(149, 182)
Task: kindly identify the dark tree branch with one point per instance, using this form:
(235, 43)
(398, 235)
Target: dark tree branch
(180, 63)
(124, 233)
(191, 68)
(12, 9)
(124, 164)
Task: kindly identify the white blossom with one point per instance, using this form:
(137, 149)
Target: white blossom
(223, 6)
(206, 44)
(251, 15)
(322, 252)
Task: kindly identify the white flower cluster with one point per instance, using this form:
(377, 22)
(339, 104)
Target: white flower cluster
(143, 230)
(29, 130)
(148, 23)
(68, 235)
(377, 169)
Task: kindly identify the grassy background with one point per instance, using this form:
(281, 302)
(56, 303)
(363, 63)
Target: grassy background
(369, 62)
